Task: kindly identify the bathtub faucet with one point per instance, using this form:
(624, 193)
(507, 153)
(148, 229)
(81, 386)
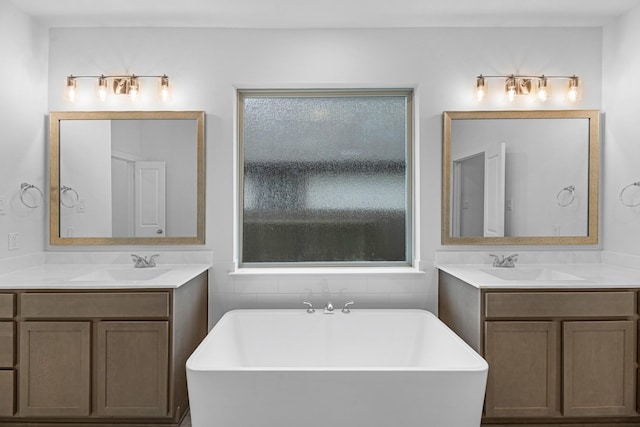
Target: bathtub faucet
(346, 310)
(328, 309)
(310, 308)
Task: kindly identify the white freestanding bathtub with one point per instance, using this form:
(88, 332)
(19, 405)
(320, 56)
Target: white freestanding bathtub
(368, 368)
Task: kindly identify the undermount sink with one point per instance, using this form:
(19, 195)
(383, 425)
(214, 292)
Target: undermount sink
(536, 274)
(122, 275)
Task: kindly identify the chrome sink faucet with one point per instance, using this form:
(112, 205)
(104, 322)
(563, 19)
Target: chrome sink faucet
(504, 261)
(143, 262)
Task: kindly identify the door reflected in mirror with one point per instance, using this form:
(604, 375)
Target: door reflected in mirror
(520, 177)
(127, 178)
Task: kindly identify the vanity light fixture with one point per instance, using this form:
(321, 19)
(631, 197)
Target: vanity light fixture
(120, 84)
(164, 88)
(103, 87)
(134, 87)
(481, 90)
(71, 88)
(510, 88)
(524, 85)
(575, 89)
(543, 89)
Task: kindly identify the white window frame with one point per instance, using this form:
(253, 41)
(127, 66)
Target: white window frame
(410, 225)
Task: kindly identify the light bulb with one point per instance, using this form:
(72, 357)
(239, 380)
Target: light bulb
(573, 94)
(71, 88)
(134, 86)
(543, 89)
(510, 86)
(164, 88)
(481, 89)
(102, 87)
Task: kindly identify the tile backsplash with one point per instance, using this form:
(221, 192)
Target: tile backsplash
(524, 257)
(621, 260)
(280, 289)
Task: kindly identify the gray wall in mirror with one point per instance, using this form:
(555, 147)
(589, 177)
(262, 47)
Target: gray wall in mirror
(520, 177)
(127, 178)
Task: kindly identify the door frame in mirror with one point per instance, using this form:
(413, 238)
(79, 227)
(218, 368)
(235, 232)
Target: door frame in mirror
(54, 176)
(593, 175)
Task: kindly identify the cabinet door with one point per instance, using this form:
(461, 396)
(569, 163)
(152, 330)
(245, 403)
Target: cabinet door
(132, 368)
(599, 368)
(54, 372)
(7, 391)
(523, 365)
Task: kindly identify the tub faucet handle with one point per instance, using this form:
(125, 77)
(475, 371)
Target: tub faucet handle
(346, 310)
(310, 308)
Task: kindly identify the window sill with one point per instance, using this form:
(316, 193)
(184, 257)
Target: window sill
(323, 271)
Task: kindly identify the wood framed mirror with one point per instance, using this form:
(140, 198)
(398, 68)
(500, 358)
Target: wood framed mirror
(127, 178)
(520, 177)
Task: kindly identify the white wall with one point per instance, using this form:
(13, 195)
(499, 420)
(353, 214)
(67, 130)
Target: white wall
(207, 65)
(23, 106)
(621, 149)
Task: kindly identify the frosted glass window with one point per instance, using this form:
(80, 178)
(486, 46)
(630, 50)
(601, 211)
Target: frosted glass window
(326, 177)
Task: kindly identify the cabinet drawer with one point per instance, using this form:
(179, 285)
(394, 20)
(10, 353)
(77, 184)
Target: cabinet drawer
(6, 345)
(7, 390)
(95, 304)
(6, 306)
(559, 304)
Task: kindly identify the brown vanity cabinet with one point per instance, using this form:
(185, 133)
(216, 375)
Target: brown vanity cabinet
(555, 356)
(103, 357)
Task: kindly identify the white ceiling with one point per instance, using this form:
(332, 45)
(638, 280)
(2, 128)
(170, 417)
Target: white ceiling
(325, 13)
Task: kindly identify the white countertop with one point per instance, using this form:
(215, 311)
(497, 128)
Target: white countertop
(101, 276)
(545, 276)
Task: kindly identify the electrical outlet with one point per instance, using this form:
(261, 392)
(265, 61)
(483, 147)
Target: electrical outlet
(14, 242)
(80, 206)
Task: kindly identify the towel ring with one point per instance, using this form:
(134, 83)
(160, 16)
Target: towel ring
(63, 190)
(24, 187)
(571, 190)
(630, 205)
